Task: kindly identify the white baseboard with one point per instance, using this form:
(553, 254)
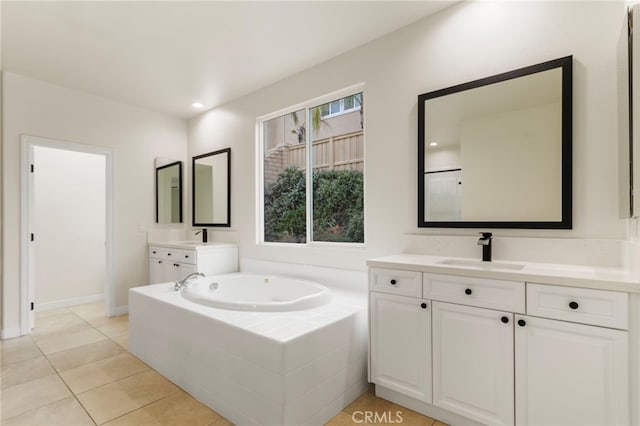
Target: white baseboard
(10, 333)
(68, 302)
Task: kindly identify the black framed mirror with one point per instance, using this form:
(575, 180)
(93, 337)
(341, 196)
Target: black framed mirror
(497, 152)
(211, 189)
(168, 192)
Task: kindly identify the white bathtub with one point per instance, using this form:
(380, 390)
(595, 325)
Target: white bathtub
(296, 367)
(253, 292)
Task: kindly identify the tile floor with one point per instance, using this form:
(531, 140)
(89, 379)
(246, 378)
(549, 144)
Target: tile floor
(75, 369)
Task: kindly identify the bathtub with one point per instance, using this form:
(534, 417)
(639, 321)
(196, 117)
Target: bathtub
(253, 292)
(248, 362)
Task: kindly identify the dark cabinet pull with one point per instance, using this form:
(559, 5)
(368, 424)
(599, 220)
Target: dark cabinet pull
(468, 292)
(573, 305)
(186, 256)
(159, 261)
(393, 282)
(168, 254)
(423, 306)
(154, 252)
(504, 319)
(522, 323)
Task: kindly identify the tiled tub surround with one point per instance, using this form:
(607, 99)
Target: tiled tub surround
(270, 368)
(560, 344)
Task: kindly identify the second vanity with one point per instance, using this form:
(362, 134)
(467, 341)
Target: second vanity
(505, 343)
(174, 260)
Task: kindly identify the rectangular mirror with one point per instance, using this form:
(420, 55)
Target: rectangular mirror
(496, 152)
(168, 191)
(212, 189)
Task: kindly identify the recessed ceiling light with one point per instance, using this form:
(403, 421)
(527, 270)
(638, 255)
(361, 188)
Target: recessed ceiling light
(433, 144)
(197, 105)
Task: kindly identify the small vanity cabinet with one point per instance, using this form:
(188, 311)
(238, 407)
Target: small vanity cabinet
(499, 351)
(174, 261)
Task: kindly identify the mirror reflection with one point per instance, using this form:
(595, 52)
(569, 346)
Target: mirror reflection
(496, 152)
(212, 188)
(168, 191)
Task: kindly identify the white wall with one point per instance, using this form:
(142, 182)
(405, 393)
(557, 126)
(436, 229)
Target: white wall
(135, 135)
(70, 236)
(468, 41)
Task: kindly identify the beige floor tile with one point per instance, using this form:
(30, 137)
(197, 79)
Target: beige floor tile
(110, 401)
(89, 311)
(177, 409)
(59, 328)
(25, 371)
(409, 417)
(85, 354)
(221, 422)
(19, 349)
(89, 376)
(369, 402)
(64, 341)
(28, 396)
(66, 412)
(122, 340)
(344, 419)
(115, 326)
(42, 315)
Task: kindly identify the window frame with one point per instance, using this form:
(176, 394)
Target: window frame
(259, 182)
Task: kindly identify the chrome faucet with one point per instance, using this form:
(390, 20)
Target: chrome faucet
(183, 282)
(485, 242)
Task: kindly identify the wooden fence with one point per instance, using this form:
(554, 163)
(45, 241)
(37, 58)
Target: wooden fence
(343, 152)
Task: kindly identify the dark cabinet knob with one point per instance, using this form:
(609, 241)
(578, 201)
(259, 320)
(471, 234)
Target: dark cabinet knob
(504, 319)
(186, 256)
(159, 261)
(522, 323)
(423, 306)
(468, 292)
(154, 252)
(168, 254)
(573, 305)
(393, 282)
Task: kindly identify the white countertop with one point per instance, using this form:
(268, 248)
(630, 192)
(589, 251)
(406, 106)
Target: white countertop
(616, 279)
(191, 245)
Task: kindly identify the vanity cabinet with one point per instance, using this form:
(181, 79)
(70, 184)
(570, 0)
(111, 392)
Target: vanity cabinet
(500, 352)
(401, 344)
(473, 362)
(169, 263)
(570, 374)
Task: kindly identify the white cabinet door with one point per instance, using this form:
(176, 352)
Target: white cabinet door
(570, 374)
(157, 272)
(401, 344)
(473, 362)
(181, 270)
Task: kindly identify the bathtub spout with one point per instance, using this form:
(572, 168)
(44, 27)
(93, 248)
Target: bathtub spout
(181, 283)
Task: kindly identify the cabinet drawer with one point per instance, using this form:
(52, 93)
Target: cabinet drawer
(176, 255)
(584, 305)
(406, 283)
(485, 293)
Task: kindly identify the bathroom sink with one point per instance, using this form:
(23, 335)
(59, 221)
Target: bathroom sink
(471, 263)
(188, 243)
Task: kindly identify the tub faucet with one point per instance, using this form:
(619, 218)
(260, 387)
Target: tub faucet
(485, 242)
(183, 282)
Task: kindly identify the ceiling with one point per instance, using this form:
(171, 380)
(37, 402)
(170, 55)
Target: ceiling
(166, 55)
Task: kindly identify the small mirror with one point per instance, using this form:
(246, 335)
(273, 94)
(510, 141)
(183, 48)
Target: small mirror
(496, 152)
(212, 189)
(168, 191)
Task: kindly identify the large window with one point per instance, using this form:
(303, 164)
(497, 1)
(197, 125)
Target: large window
(312, 173)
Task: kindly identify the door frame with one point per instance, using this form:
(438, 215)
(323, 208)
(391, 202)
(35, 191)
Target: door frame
(27, 258)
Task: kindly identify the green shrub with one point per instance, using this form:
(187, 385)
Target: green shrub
(338, 203)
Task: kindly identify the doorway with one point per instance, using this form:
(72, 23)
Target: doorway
(67, 226)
